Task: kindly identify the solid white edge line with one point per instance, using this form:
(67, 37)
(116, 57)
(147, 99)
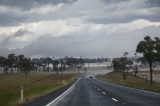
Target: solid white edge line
(129, 87)
(115, 99)
(62, 94)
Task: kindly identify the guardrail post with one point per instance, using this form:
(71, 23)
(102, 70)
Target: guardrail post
(22, 91)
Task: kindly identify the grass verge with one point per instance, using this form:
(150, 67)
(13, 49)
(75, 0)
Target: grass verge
(131, 81)
(35, 85)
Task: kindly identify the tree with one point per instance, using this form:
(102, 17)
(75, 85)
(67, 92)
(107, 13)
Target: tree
(11, 61)
(124, 61)
(55, 65)
(157, 40)
(20, 62)
(48, 61)
(26, 65)
(147, 48)
(136, 65)
(122, 64)
(3, 64)
(125, 54)
(116, 64)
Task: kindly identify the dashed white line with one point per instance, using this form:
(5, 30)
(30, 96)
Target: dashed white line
(103, 93)
(115, 99)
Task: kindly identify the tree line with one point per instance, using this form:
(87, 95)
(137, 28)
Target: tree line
(21, 63)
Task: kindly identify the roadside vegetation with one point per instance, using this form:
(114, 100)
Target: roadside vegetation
(132, 81)
(38, 76)
(149, 48)
(35, 85)
(126, 70)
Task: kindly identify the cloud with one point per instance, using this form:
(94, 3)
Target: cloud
(8, 40)
(20, 33)
(123, 11)
(91, 43)
(16, 12)
(28, 4)
(76, 27)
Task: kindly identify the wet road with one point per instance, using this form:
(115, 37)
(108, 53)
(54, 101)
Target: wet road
(92, 92)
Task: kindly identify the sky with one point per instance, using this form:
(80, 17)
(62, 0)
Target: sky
(87, 28)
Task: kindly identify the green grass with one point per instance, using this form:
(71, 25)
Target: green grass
(35, 85)
(131, 81)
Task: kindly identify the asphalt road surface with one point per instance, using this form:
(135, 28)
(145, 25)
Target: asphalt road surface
(92, 92)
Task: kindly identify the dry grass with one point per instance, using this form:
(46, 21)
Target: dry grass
(35, 85)
(131, 81)
(146, 75)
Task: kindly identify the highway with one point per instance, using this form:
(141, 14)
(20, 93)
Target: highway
(92, 92)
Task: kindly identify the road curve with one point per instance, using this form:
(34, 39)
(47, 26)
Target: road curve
(93, 92)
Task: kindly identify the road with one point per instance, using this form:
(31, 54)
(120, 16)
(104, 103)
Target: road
(92, 92)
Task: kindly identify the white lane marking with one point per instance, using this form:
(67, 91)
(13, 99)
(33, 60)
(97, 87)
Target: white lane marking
(103, 93)
(95, 86)
(115, 99)
(62, 95)
(124, 103)
(98, 89)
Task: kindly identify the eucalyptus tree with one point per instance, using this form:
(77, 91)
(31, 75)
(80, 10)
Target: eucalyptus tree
(147, 47)
(3, 64)
(11, 61)
(26, 63)
(136, 64)
(20, 62)
(157, 40)
(124, 61)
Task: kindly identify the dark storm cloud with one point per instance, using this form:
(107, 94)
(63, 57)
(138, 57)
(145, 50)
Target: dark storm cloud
(10, 19)
(153, 3)
(113, 11)
(17, 12)
(28, 4)
(128, 10)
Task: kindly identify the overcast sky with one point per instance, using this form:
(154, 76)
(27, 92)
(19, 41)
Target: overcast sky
(88, 28)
